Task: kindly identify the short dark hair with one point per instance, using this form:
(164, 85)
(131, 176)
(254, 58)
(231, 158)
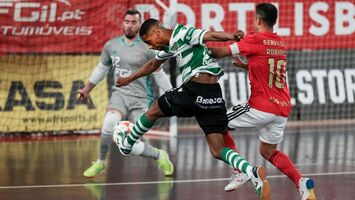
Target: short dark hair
(267, 12)
(132, 11)
(147, 26)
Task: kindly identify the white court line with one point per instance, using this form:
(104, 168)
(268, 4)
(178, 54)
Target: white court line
(158, 182)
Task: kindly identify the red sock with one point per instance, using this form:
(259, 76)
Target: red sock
(284, 164)
(229, 142)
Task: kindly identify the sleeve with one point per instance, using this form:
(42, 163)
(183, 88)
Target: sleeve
(163, 55)
(98, 74)
(245, 47)
(105, 58)
(194, 36)
(152, 53)
(162, 79)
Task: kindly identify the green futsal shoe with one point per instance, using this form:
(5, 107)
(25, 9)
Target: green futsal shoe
(95, 169)
(164, 163)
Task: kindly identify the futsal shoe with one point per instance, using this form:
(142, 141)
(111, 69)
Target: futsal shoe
(95, 169)
(164, 163)
(119, 137)
(260, 183)
(306, 189)
(237, 179)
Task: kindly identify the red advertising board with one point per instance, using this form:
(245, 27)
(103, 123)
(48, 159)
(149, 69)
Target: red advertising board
(68, 26)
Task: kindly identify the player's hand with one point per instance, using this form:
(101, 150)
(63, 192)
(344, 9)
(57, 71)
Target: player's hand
(84, 93)
(238, 61)
(238, 35)
(123, 81)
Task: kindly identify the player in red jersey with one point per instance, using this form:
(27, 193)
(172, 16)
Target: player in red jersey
(269, 104)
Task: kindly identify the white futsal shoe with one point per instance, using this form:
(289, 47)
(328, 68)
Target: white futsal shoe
(237, 179)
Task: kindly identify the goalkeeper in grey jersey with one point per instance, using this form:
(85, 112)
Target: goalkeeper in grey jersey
(126, 54)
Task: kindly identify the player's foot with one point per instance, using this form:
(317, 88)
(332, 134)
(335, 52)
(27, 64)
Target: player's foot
(306, 189)
(260, 183)
(95, 169)
(237, 179)
(164, 163)
(119, 138)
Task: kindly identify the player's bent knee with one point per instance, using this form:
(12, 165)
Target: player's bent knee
(215, 153)
(111, 118)
(266, 152)
(154, 112)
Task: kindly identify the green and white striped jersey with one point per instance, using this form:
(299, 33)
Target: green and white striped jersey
(192, 55)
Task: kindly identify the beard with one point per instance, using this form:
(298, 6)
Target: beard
(130, 34)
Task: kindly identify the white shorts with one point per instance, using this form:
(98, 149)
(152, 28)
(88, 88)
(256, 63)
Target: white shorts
(271, 127)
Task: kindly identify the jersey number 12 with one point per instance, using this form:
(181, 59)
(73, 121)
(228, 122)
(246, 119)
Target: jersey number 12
(279, 71)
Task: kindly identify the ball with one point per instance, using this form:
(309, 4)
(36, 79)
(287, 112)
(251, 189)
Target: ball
(123, 127)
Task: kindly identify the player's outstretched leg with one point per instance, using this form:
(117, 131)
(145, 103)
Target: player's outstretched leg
(257, 174)
(238, 178)
(125, 142)
(306, 189)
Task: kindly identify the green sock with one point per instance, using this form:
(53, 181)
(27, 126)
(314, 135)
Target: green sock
(235, 160)
(140, 127)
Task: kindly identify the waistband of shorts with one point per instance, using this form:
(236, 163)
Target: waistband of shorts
(201, 85)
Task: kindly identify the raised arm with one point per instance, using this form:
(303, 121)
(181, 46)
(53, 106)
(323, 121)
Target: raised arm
(220, 52)
(97, 75)
(220, 36)
(238, 60)
(146, 69)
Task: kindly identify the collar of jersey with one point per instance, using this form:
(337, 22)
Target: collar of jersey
(133, 43)
(167, 49)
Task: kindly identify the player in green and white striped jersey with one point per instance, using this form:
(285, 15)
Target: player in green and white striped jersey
(184, 45)
(200, 94)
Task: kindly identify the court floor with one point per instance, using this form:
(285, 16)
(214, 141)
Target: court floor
(42, 167)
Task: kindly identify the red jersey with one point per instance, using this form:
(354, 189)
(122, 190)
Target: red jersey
(267, 72)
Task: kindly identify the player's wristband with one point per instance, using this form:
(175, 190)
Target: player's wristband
(234, 49)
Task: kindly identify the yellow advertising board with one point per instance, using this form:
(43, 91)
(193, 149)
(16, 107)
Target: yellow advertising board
(38, 93)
